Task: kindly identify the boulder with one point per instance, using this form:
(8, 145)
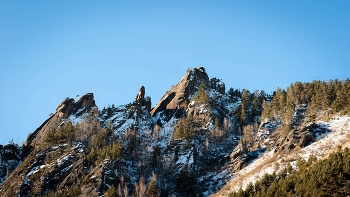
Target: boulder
(299, 137)
(239, 156)
(65, 108)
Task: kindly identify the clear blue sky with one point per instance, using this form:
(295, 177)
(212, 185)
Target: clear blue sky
(50, 50)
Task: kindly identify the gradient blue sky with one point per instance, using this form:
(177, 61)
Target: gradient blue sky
(50, 50)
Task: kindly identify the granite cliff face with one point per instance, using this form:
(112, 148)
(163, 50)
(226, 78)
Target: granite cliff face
(170, 103)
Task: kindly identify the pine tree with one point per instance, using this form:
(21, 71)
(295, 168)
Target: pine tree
(140, 188)
(186, 183)
(245, 104)
(227, 124)
(216, 124)
(153, 190)
(312, 110)
(155, 156)
(184, 129)
(111, 192)
(266, 111)
(202, 97)
(69, 132)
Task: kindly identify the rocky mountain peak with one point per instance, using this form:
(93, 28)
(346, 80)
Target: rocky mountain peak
(171, 102)
(69, 106)
(64, 110)
(199, 75)
(85, 102)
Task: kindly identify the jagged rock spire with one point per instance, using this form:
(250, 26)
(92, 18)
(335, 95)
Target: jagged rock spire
(141, 101)
(140, 95)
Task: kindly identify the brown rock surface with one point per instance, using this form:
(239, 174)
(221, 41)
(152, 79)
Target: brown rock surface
(299, 137)
(147, 103)
(140, 95)
(142, 101)
(182, 91)
(239, 156)
(98, 178)
(63, 111)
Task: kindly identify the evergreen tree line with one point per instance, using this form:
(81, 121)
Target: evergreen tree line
(328, 177)
(332, 96)
(251, 106)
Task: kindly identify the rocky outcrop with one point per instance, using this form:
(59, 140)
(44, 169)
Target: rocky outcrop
(87, 165)
(170, 103)
(147, 103)
(300, 137)
(140, 95)
(84, 104)
(142, 101)
(99, 179)
(64, 110)
(10, 157)
(217, 85)
(69, 106)
(239, 156)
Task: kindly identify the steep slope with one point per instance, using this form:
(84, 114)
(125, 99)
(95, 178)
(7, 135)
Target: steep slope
(309, 120)
(330, 136)
(27, 156)
(12, 155)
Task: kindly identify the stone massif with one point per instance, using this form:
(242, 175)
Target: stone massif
(171, 102)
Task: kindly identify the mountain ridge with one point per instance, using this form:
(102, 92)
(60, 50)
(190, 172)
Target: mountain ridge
(192, 143)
